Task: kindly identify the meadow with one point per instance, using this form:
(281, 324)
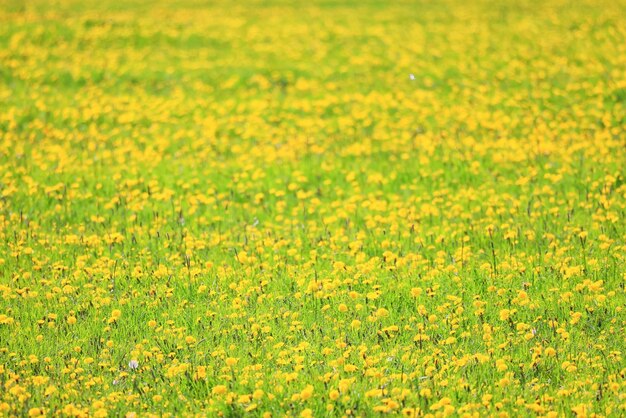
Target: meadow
(326, 208)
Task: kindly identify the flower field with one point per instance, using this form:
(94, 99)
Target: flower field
(327, 208)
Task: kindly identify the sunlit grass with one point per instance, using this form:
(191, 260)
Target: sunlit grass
(235, 208)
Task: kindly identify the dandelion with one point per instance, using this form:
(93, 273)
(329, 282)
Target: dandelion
(219, 390)
(311, 238)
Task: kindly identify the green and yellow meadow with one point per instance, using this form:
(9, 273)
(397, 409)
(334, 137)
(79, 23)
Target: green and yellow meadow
(328, 208)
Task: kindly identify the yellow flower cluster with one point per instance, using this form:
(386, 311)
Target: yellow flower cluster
(330, 208)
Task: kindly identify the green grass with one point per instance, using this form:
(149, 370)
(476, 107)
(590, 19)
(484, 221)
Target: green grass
(221, 192)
